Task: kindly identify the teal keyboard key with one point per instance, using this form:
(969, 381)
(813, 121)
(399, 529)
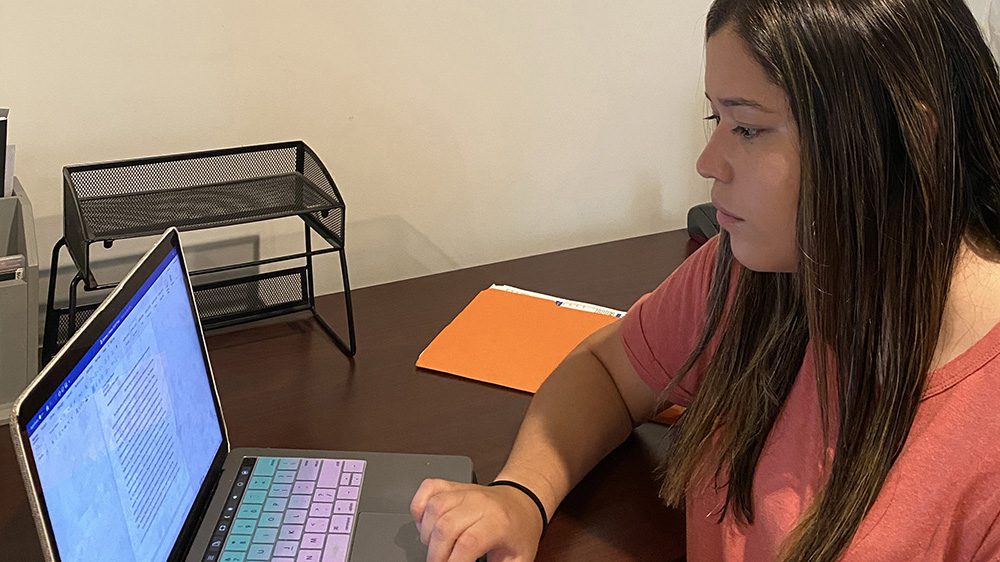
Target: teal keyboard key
(248, 511)
(275, 504)
(260, 552)
(271, 520)
(288, 464)
(265, 535)
(265, 466)
(284, 477)
(259, 483)
(231, 556)
(254, 496)
(238, 543)
(243, 527)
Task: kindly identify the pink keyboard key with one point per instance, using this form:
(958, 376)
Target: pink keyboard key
(336, 548)
(356, 479)
(354, 466)
(295, 516)
(320, 510)
(341, 523)
(313, 540)
(310, 556)
(299, 502)
(324, 496)
(347, 493)
(285, 548)
(342, 506)
(309, 470)
(329, 476)
(317, 524)
(290, 532)
(304, 487)
(345, 479)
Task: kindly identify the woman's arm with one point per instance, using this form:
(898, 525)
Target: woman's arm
(586, 408)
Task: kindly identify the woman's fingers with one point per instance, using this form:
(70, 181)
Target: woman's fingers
(461, 522)
(476, 540)
(451, 532)
(428, 488)
(437, 507)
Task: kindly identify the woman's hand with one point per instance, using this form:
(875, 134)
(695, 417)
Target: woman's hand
(461, 522)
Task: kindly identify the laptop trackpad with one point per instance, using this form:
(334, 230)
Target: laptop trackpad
(387, 537)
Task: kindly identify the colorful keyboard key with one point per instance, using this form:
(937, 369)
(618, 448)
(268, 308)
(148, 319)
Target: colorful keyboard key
(290, 532)
(265, 466)
(341, 523)
(317, 524)
(284, 477)
(329, 475)
(254, 496)
(348, 493)
(238, 543)
(286, 548)
(336, 548)
(265, 535)
(276, 504)
(309, 469)
(248, 511)
(299, 502)
(259, 552)
(270, 519)
(259, 483)
(244, 526)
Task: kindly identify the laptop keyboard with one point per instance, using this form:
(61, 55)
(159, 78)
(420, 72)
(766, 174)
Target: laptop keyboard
(289, 510)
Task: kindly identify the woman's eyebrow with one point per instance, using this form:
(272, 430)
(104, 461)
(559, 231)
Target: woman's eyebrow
(741, 102)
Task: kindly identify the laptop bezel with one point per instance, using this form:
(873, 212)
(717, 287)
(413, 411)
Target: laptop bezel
(41, 388)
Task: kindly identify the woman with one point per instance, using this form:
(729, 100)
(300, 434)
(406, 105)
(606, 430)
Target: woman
(843, 370)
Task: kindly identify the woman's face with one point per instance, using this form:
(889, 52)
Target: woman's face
(752, 156)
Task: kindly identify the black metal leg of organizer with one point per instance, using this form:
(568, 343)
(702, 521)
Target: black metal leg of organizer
(71, 318)
(349, 348)
(51, 335)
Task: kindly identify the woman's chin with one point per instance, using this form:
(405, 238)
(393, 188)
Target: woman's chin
(761, 258)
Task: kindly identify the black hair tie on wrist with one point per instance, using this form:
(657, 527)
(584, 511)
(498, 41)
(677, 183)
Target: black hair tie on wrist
(527, 492)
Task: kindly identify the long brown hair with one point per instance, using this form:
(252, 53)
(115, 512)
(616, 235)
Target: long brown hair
(897, 103)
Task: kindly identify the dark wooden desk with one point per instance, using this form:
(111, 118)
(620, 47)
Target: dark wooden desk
(285, 385)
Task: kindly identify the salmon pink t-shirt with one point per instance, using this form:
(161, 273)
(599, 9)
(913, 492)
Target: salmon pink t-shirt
(941, 499)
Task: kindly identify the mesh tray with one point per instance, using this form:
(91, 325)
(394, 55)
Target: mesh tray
(143, 196)
(151, 212)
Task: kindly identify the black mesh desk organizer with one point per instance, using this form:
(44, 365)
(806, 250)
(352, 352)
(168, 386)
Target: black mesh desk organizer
(142, 197)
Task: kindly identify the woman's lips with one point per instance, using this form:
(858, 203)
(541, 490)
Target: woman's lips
(724, 217)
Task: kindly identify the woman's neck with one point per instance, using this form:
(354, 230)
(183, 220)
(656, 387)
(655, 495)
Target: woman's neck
(972, 308)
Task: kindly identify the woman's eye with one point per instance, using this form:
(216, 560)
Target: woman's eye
(748, 133)
(713, 118)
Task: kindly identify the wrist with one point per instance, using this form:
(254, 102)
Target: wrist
(528, 493)
(541, 485)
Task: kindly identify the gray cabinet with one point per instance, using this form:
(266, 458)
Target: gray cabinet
(18, 300)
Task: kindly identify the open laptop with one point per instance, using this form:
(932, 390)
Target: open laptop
(125, 456)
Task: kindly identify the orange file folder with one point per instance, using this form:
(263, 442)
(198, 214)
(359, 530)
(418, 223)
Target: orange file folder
(510, 339)
(513, 339)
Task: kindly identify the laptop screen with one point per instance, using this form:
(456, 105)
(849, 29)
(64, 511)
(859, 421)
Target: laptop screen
(123, 445)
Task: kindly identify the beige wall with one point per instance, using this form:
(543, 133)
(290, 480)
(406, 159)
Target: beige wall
(460, 132)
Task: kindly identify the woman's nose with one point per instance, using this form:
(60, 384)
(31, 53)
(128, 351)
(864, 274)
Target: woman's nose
(712, 163)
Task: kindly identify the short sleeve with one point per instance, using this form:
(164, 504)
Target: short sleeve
(662, 328)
